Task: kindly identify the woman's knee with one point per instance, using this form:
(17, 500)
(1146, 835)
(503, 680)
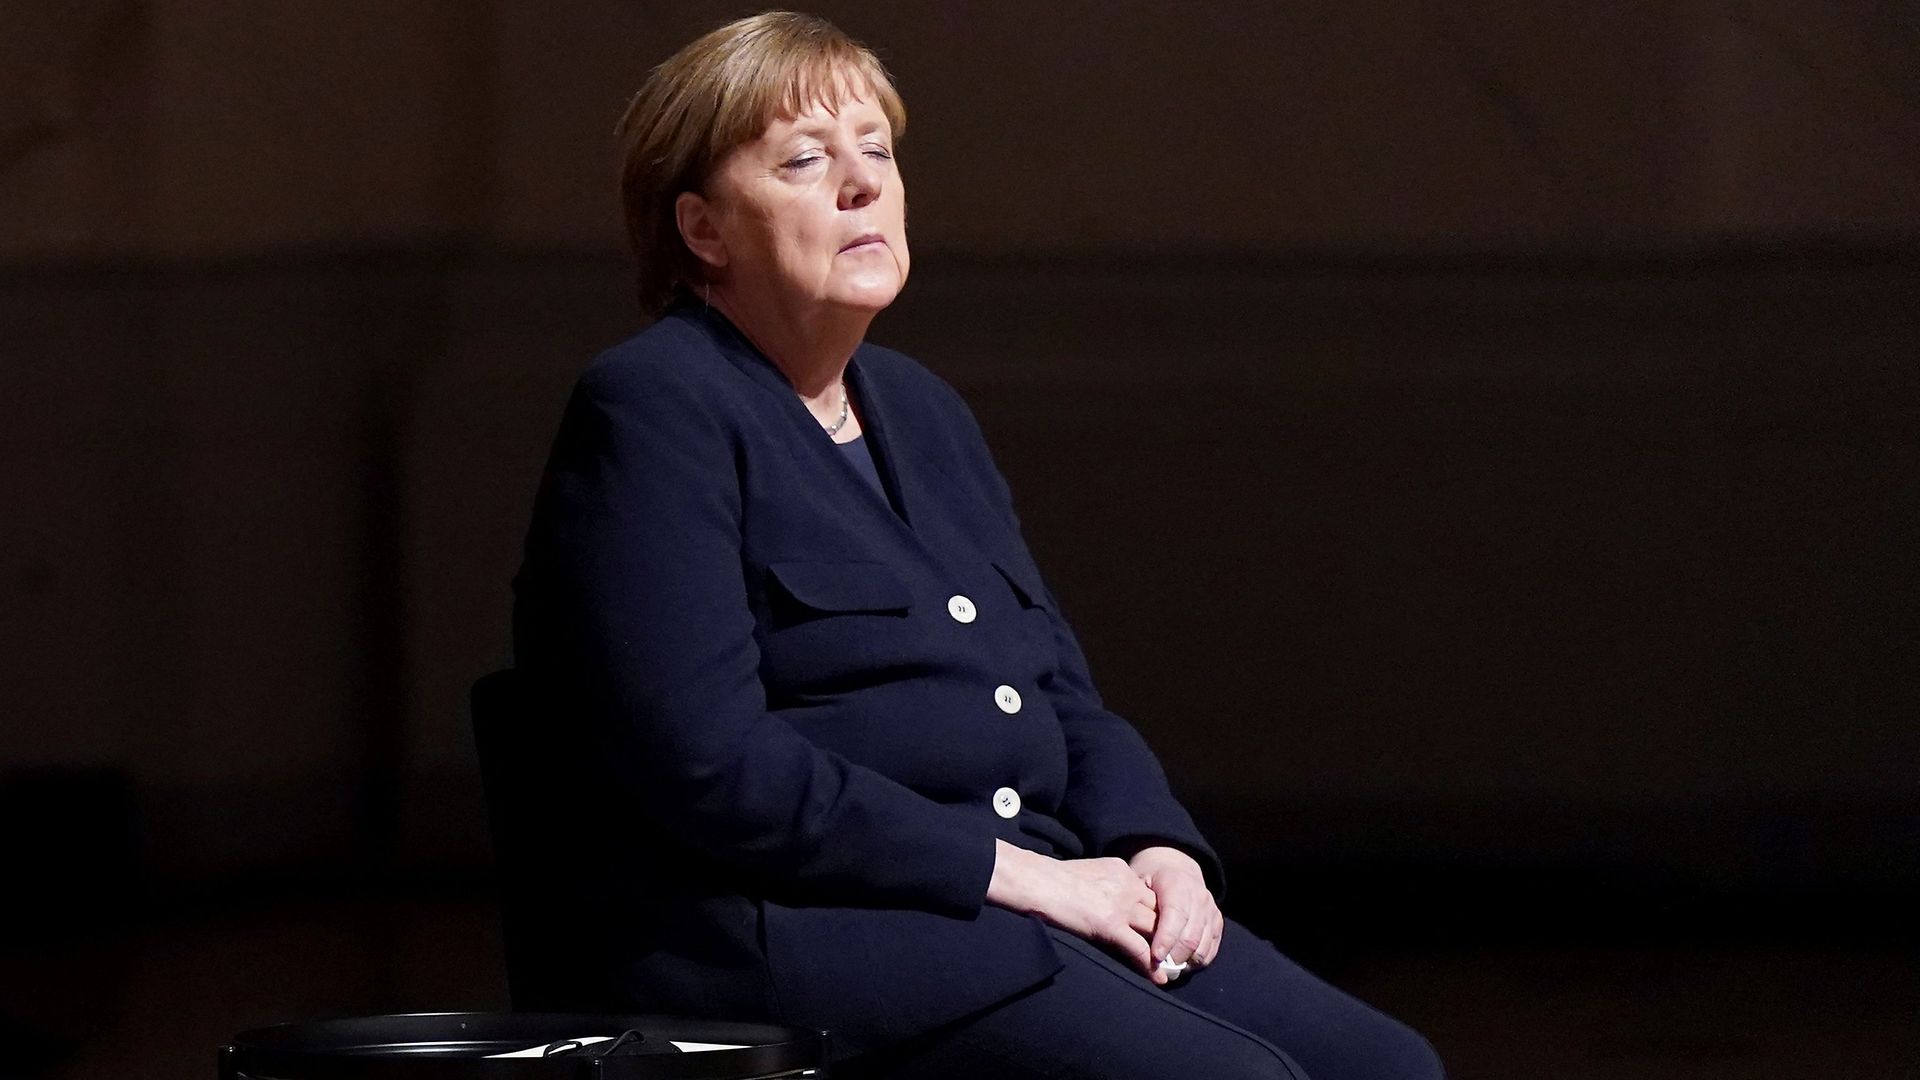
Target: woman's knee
(1412, 1057)
(1384, 1049)
(1205, 1050)
(1269, 1064)
(1231, 1055)
(1085, 1056)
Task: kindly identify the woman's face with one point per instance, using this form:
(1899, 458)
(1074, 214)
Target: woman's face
(813, 212)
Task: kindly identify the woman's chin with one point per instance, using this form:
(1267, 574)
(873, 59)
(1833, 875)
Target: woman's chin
(867, 295)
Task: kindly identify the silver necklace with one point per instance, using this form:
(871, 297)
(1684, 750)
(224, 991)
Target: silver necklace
(846, 410)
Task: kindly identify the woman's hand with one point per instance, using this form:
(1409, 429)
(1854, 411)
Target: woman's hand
(1188, 924)
(1101, 900)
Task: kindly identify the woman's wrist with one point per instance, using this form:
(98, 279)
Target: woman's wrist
(1155, 855)
(1016, 876)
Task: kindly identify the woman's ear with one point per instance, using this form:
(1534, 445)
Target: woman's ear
(698, 230)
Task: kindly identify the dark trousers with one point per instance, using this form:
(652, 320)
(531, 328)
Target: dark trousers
(1253, 1013)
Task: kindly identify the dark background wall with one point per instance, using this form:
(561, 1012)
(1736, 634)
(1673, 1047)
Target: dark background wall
(1476, 442)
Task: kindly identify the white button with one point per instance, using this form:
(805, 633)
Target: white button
(1008, 699)
(960, 608)
(1006, 802)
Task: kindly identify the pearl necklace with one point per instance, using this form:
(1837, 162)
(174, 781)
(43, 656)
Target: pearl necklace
(846, 410)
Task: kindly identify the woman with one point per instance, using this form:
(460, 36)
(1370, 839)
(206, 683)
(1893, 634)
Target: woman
(831, 754)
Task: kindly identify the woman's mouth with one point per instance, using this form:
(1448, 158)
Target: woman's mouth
(859, 243)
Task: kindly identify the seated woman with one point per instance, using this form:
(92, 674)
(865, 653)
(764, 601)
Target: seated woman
(831, 754)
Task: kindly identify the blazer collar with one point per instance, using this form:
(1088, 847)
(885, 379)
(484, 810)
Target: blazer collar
(867, 385)
(733, 344)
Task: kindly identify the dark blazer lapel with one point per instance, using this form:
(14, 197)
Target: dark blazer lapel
(746, 356)
(874, 411)
(743, 353)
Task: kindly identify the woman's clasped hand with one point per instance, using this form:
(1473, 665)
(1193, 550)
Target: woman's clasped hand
(1155, 906)
(1189, 923)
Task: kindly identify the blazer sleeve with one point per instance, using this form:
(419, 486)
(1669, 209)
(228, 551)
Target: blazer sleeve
(636, 548)
(1117, 799)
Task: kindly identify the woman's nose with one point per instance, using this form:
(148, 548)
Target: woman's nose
(860, 185)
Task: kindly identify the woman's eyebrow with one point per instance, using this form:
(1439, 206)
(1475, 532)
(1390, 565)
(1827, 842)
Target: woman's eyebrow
(819, 128)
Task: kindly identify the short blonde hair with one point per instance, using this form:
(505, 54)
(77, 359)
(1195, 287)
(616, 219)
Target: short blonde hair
(716, 94)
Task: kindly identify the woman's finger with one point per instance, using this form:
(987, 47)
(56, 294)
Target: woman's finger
(1135, 947)
(1210, 946)
(1187, 945)
(1169, 929)
(1142, 920)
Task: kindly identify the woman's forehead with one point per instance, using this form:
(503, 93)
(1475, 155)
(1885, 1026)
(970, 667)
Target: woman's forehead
(824, 85)
(823, 113)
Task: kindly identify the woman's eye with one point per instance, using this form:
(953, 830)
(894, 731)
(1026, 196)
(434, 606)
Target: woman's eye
(878, 153)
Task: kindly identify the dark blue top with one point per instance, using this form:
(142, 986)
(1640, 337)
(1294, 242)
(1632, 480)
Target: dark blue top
(789, 717)
(861, 456)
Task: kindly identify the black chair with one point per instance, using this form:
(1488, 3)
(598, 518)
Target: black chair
(526, 808)
(468, 1046)
(536, 799)
(531, 796)
(542, 798)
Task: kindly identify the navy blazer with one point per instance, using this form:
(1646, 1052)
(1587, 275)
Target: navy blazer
(784, 722)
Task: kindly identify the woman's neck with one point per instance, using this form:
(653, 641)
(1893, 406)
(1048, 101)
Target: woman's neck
(810, 346)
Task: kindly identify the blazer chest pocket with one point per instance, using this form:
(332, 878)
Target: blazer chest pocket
(827, 622)
(802, 591)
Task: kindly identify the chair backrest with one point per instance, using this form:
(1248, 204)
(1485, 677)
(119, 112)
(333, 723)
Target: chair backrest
(498, 710)
(497, 707)
(517, 805)
(549, 811)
